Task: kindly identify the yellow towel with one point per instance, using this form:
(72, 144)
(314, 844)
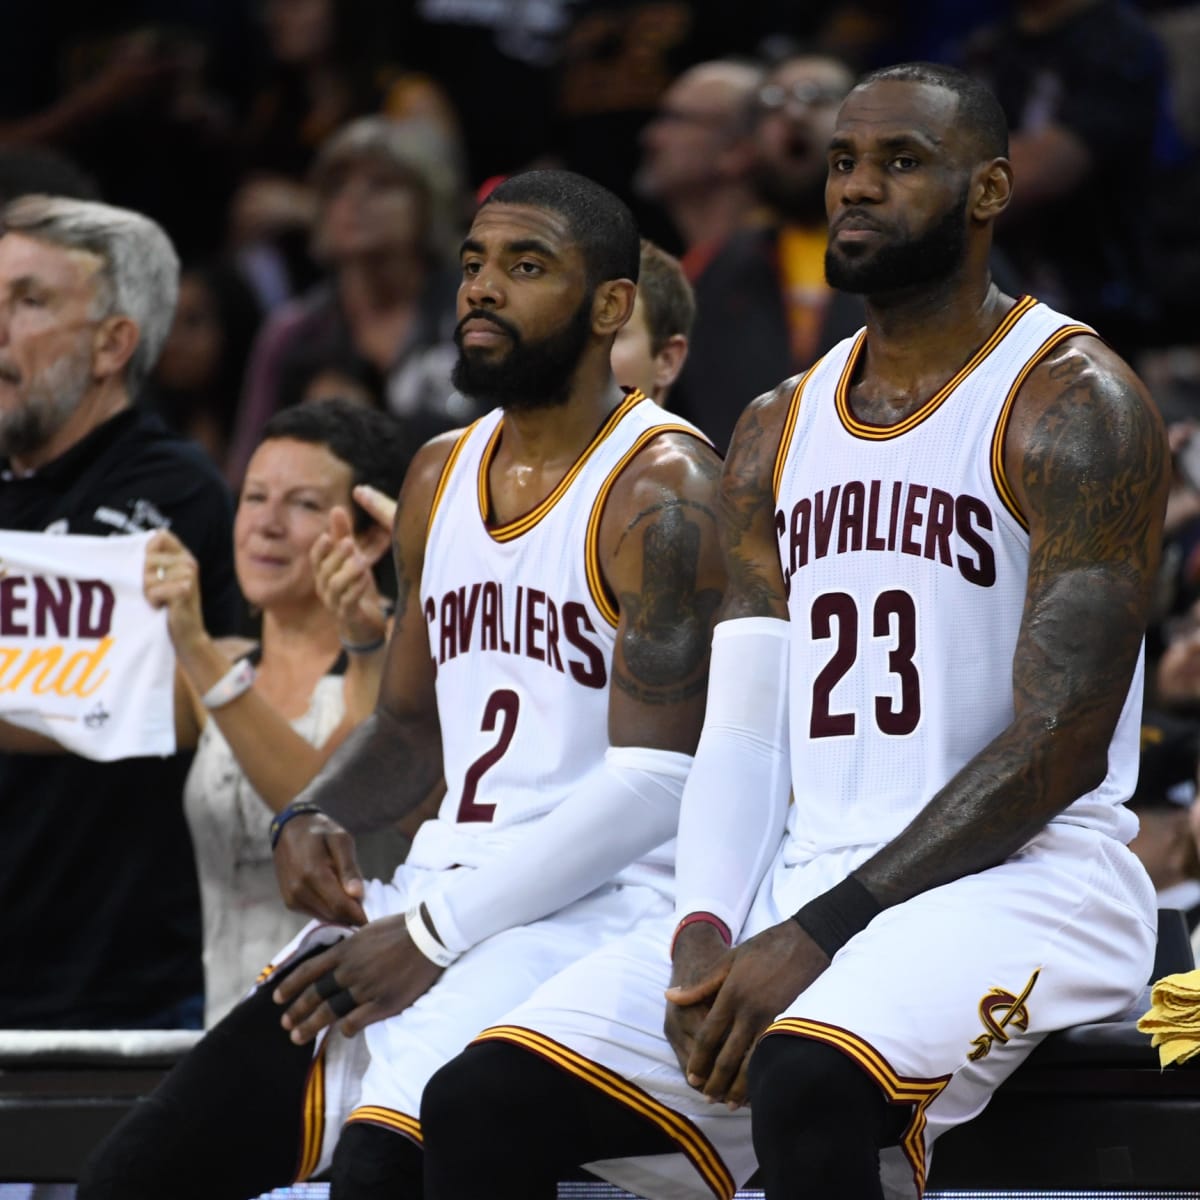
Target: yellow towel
(1173, 1018)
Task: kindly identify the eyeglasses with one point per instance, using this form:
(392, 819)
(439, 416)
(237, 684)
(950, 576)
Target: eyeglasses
(774, 96)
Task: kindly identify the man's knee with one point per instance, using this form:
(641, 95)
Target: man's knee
(797, 1084)
(479, 1088)
(373, 1163)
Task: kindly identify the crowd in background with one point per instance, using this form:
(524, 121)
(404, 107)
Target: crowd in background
(315, 163)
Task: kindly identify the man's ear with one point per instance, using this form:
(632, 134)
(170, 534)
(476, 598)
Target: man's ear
(612, 305)
(113, 345)
(993, 187)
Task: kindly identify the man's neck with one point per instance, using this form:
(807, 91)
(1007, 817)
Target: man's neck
(99, 405)
(917, 341)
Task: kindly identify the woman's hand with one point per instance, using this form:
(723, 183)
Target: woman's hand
(346, 584)
(171, 580)
(379, 507)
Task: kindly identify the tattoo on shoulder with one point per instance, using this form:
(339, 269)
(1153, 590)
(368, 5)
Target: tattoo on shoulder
(1094, 462)
(664, 649)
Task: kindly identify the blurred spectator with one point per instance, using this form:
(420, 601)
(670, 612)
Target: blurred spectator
(294, 547)
(387, 210)
(197, 380)
(618, 59)
(650, 350)
(1083, 84)
(1166, 792)
(696, 157)
(98, 898)
(329, 62)
(763, 308)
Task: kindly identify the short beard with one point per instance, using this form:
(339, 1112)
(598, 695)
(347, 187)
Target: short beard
(931, 257)
(532, 375)
(49, 401)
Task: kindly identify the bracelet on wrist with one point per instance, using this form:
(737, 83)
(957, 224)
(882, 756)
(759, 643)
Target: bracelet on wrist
(238, 680)
(422, 937)
(695, 918)
(834, 917)
(365, 647)
(298, 808)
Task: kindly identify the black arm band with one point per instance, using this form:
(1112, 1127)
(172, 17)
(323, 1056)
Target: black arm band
(298, 808)
(834, 917)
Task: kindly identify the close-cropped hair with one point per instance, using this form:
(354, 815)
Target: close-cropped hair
(668, 301)
(139, 273)
(600, 222)
(978, 107)
(368, 440)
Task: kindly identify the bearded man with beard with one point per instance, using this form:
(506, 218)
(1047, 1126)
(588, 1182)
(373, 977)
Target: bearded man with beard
(98, 896)
(558, 576)
(903, 848)
(763, 306)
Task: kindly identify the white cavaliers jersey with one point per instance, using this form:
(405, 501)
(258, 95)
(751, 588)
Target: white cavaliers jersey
(905, 556)
(521, 630)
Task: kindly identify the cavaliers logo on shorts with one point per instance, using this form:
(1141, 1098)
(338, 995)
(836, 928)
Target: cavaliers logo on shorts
(998, 1010)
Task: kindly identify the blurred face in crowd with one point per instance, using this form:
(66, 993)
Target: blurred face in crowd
(690, 142)
(369, 208)
(797, 111)
(521, 273)
(192, 352)
(289, 490)
(898, 188)
(47, 329)
(300, 31)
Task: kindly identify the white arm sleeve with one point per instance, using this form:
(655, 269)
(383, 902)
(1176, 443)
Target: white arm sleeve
(622, 810)
(735, 802)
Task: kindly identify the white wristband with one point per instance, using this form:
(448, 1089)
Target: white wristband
(425, 941)
(234, 683)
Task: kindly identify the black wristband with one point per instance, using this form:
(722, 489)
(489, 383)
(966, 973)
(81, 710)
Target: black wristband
(834, 917)
(298, 808)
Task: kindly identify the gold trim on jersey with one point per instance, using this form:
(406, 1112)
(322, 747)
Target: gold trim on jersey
(789, 428)
(880, 433)
(444, 477)
(691, 1142)
(389, 1118)
(1000, 436)
(898, 1089)
(312, 1121)
(595, 574)
(514, 529)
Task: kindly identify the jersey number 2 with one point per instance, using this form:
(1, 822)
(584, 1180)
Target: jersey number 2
(502, 706)
(839, 609)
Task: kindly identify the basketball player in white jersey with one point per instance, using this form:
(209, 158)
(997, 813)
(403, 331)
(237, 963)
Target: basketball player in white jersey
(559, 575)
(942, 542)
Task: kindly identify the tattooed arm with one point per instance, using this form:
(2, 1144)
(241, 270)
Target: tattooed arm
(1089, 464)
(1088, 461)
(658, 542)
(389, 763)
